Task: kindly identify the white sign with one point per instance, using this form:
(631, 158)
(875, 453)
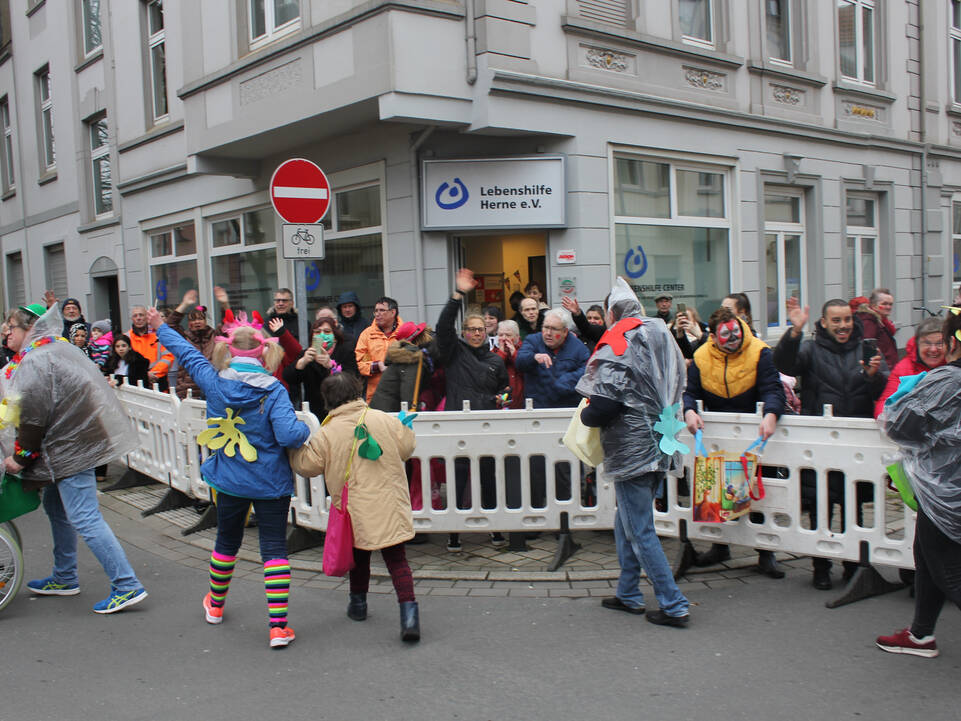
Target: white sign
(506, 193)
(302, 241)
(566, 256)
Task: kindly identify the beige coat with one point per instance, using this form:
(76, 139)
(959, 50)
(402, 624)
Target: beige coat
(378, 499)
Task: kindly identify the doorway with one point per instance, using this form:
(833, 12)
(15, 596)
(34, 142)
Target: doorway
(503, 264)
(106, 300)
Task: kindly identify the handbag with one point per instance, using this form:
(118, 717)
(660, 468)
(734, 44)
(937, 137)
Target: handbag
(724, 482)
(339, 541)
(14, 500)
(584, 441)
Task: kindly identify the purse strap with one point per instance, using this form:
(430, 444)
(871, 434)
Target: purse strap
(350, 460)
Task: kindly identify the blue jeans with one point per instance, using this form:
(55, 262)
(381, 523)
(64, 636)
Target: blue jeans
(72, 507)
(638, 546)
(271, 522)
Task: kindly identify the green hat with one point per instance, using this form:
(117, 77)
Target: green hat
(37, 309)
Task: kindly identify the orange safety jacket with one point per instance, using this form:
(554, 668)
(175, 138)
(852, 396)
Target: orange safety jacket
(149, 347)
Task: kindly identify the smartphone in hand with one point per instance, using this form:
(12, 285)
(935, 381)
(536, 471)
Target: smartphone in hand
(869, 349)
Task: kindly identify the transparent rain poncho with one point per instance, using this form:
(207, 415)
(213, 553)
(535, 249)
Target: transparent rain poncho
(647, 378)
(925, 423)
(58, 389)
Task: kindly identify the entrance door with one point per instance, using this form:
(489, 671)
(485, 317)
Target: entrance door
(503, 265)
(106, 300)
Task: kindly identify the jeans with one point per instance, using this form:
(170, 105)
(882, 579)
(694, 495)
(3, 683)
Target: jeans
(937, 560)
(72, 507)
(271, 522)
(639, 547)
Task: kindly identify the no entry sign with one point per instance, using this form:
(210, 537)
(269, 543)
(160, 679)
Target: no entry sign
(299, 191)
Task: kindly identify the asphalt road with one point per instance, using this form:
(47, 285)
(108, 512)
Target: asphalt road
(752, 651)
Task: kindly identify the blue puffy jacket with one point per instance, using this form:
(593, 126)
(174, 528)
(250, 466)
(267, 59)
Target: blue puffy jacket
(270, 425)
(552, 387)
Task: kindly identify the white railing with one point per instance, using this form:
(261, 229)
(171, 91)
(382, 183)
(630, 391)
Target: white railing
(514, 461)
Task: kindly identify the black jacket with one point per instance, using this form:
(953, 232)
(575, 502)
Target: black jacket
(137, 368)
(355, 325)
(588, 332)
(473, 374)
(314, 374)
(398, 381)
(831, 372)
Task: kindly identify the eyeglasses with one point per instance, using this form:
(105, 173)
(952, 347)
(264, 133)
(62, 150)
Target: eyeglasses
(378, 311)
(553, 328)
(931, 344)
(475, 329)
(283, 300)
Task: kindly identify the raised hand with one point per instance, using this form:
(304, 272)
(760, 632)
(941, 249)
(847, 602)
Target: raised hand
(797, 315)
(49, 297)
(570, 305)
(274, 325)
(154, 319)
(220, 295)
(464, 281)
(190, 297)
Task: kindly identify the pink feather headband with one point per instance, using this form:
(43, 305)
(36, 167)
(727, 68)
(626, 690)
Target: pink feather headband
(231, 325)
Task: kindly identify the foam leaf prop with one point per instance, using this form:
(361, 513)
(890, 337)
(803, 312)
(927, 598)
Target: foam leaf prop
(223, 433)
(668, 426)
(905, 385)
(406, 418)
(369, 449)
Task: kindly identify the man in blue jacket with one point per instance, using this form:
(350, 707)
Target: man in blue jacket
(552, 362)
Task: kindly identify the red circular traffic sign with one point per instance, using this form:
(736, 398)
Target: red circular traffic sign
(299, 191)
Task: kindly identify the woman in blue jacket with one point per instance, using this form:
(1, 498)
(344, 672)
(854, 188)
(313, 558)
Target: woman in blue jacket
(252, 423)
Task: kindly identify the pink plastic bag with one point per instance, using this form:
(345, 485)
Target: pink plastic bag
(339, 542)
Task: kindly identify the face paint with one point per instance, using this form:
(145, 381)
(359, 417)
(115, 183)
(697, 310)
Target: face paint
(729, 336)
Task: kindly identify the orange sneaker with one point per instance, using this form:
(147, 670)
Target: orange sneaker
(214, 614)
(280, 637)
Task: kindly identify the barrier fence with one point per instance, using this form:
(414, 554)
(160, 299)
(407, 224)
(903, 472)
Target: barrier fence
(507, 470)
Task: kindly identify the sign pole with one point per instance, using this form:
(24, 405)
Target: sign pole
(300, 298)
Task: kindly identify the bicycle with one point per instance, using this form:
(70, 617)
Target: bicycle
(11, 563)
(302, 235)
(930, 313)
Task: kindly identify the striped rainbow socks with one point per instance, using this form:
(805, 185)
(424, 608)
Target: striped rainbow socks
(277, 585)
(221, 571)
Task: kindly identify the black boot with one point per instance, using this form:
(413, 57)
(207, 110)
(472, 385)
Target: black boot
(357, 607)
(767, 564)
(850, 568)
(822, 574)
(409, 621)
(716, 554)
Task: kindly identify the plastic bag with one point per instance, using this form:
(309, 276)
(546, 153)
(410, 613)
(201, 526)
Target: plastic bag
(584, 441)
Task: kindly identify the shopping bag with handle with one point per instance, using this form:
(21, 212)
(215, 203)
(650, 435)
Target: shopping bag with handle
(725, 483)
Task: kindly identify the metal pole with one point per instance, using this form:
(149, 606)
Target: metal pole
(300, 299)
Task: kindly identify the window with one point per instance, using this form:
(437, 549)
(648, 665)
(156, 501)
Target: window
(353, 245)
(6, 147)
(16, 292)
(862, 260)
(785, 263)
(90, 17)
(956, 247)
(173, 264)
(777, 15)
(55, 269)
(856, 40)
(672, 230)
(697, 22)
(270, 19)
(48, 157)
(244, 258)
(157, 62)
(100, 167)
(955, 41)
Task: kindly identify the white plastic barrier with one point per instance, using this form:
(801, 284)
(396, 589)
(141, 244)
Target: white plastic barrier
(154, 417)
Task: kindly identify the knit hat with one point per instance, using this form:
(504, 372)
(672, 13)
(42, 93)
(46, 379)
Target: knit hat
(70, 301)
(37, 309)
(409, 330)
(102, 325)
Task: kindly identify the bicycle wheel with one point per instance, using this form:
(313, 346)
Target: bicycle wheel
(11, 567)
(13, 531)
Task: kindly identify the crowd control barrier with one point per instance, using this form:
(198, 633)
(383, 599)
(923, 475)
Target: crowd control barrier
(507, 470)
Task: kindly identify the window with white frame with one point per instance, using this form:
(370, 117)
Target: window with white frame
(243, 258)
(856, 36)
(90, 19)
(16, 290)
(100, 166)
(862, 254)
(956, 247)
(777, 19)
(173, 264)
(353, 245)
(954, 26)
(672, 225)
(55, 269)
(784, 252)
(696, 18)
(6, 147)
(48, 156)
(157, 60)
(270, 19)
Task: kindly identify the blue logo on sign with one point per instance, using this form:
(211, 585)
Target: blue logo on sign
(312, 276)
(449, 196)
(635, 263)
(161, 290)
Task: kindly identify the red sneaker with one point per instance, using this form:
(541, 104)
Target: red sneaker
(280, 637)
(214, 614)
(904, 642)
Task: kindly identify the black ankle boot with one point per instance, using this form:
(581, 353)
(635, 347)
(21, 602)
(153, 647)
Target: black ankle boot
(409, 621)
(357, 607)
(767, 564)
(718, 553)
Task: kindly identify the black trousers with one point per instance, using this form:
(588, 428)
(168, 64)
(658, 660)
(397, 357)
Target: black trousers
(937, 578)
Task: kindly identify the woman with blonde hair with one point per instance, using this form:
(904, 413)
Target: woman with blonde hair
(252, 423)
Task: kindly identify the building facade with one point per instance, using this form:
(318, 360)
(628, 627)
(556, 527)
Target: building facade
(807, 148)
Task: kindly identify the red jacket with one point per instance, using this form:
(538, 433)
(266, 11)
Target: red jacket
(881, 329)
(910, 365)
(515, 377)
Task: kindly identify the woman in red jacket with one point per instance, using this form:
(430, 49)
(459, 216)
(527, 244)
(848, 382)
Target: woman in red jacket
(924, 352)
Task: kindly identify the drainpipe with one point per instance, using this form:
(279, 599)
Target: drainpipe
(418, 240)
(924, 160)
(471, 39)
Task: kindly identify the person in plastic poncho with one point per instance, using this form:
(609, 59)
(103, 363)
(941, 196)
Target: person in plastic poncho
(60, 421)
(636, 372)
(924, 419)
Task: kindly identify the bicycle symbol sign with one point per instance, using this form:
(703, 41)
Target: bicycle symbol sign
(303, 241)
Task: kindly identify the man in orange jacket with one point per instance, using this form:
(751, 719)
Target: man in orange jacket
(371, 349)
(144, 341)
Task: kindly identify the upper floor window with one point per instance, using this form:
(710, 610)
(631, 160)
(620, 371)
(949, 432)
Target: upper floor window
(156, 52)
(955, 34)
(856, 39)
(173, 264)
(697, 22)
(862, 257)
(956, 247)
(777, 17)
(6, 147)
(90, 17)
(48, 156)
(785, 262)
(270, 19)
(100, 167)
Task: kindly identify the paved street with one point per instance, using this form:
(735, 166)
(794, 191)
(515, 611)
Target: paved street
(755, 648)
